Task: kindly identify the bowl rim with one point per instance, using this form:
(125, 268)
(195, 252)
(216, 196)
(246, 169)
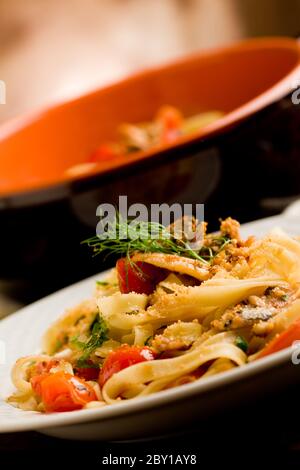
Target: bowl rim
(63, 186)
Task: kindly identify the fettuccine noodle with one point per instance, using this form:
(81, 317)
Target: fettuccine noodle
(197, 319)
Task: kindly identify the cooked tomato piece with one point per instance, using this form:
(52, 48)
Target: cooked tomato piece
(169, 117)
(123, 357)
(138, 277)
(170, 120)
(282, 341)
(62, 392)
(36, 381)
(104, 152)
(90, 372)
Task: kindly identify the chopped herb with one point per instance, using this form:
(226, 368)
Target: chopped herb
(78, 320)
(284, 297)
(58, 345)
(85, 364)
(76, 342)
(60, 342)
(124, 237)
(134, 311)
(102, 283)
(106, 283)
(99, 334)
(148, 340)
(167, 289)
(241, 343)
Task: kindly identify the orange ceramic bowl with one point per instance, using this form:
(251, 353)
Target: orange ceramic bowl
(44, 213)
(240, 80)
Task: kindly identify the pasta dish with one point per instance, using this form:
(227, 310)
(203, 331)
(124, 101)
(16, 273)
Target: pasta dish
(165, 316)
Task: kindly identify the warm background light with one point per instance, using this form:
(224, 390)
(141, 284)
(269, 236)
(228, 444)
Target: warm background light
(55, 49)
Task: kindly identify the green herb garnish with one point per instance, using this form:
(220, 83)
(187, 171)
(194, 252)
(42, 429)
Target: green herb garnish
(148, 340)
(99, 334)
(241, 343)
(102, 283)
(124, 237)
(167, 289)
(106, 283)
(58, 345)
(60, 342)
(284, 297)
(84, 364)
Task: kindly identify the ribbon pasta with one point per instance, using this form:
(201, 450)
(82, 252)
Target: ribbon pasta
(202, 319)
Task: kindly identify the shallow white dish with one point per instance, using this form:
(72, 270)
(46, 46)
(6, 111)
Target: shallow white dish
(162, 412)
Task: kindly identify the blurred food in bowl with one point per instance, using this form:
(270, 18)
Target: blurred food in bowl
(168, 126)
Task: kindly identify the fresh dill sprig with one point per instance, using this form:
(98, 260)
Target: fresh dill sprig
(99, 334)
(124, 237)
(218, 244)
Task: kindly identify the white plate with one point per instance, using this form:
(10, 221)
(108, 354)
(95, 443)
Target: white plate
(163, 411)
